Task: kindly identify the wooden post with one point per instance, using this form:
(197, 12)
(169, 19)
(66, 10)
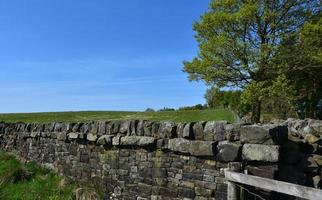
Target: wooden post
(232, 189)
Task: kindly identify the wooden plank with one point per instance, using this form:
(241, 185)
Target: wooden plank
(274, 185)
(232, 190)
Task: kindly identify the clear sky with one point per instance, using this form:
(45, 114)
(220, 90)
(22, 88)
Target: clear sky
(62, 55)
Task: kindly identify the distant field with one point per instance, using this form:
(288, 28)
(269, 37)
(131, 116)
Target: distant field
(85, 116)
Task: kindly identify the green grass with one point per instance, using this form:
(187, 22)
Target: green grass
(20, 181)
(85, 116)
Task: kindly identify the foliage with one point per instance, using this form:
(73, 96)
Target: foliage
(277, 98)
(217, 98)
(195, 107)
(149, 110)
(30, 182)
(300, 60)
(166, 109)
(239, 40)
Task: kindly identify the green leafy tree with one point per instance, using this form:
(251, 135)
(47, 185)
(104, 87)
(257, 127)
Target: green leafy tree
(238, 40)
(217, 98)
(300, 60)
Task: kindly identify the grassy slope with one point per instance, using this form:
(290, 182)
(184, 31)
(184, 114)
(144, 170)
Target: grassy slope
(41, 185)
(178, 116)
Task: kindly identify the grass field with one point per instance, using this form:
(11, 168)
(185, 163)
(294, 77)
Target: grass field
(20, 181)
(85, 116)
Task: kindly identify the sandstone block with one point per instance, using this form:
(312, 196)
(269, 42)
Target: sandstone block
(137, 141)
(196, 148)
(227, 151)
(265, 134)
(258, 152)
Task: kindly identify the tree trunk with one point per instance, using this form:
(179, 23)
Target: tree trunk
(257, 112)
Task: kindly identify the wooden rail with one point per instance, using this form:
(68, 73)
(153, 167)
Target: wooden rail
(273, 185)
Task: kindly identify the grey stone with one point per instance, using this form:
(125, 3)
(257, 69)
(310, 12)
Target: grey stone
(196, 148)
(258, 152)
(91, 137)
(72, 136)
(105, 140)
(137, 140)
(198, 130)
(215, 131)
(180, 128)
(263, 134)
(187, 131)
(116, 140)
(61, 136)
(227, 151)
(167, 129)
(125, 127)
(102, 128)
(179, 145)
(202, 148)
(316, 126)
(34, 134)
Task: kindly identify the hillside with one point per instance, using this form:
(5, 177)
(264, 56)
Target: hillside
(84, 116)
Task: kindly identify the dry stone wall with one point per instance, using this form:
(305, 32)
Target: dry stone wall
(139, 159)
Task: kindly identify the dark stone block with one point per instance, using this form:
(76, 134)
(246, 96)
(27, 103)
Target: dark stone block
(186, 192)
(192, 176)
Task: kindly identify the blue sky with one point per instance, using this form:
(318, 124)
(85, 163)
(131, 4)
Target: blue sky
(63, 55)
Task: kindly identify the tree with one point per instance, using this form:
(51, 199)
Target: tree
(217, 98)
(300, 60)
(238, 40)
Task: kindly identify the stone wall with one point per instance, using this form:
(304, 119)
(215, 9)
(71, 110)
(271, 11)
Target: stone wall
(139, 159)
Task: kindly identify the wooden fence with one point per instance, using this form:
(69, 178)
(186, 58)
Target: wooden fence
(267, 184)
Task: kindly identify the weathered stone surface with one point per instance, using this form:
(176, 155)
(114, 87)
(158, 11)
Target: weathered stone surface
(263, 134)
(179, 145)
(72, 136)
(202, 148)
(157, 165)
(196, 148)
(198, 130)
(105, 140)
(61, 136)
(125, 127)
(91, 137)
(116, 140)
(232, 132)
(137, 140)
(167, 129)
(311, 139)
(214, 131)
(266, 171)
(258, 152)
(187, 131)
(227, 151)
(317, 126)
(180, 127)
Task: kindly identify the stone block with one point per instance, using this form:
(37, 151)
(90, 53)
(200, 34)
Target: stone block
(105, 140)
(227, 151)
(215, 131)
(167, 129)
(73, 136)
(266, 171)
(258, 152)
(195, 148)
(198, 130)
(91, 137)
(264, 134)
(137, 141)
(187, 131)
